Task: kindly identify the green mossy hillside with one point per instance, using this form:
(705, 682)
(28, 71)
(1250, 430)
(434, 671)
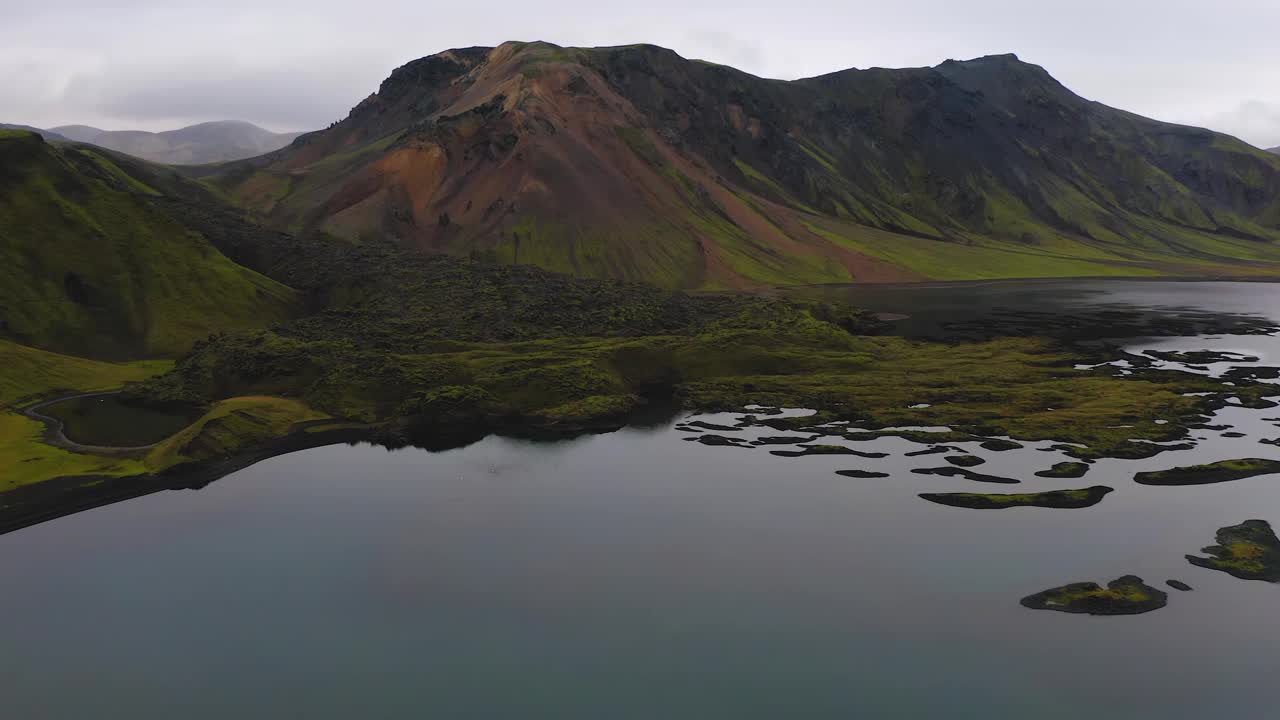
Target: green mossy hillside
(30, 373)
(89, 265)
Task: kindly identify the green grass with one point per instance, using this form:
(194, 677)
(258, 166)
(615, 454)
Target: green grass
(230, 426)
(26, 459)
(774, 355)
(89, 266)
(955, 260)
(30, 374)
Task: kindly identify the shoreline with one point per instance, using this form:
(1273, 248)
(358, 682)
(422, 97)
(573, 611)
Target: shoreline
(942, 284)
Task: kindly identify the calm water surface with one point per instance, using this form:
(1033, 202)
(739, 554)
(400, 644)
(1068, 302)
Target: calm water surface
(636, 575)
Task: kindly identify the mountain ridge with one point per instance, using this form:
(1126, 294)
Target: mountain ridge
(202, 143)
(633, 162)
(91, 263)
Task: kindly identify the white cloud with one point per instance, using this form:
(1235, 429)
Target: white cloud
(303, 63)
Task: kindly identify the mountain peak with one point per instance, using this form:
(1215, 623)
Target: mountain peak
(634, 162)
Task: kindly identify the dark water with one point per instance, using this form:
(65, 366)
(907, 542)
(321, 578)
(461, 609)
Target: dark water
(635, 575)
(102, 419)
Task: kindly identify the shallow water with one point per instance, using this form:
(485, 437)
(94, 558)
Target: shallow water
(638, 575)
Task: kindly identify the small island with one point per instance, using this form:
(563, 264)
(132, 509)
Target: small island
(862, 474)
(1223, 471)
(1058, 499)
(966, 474)
(1128, 595)
(1065, 470)
(806, 450)
(1249, 551)
(964, 460)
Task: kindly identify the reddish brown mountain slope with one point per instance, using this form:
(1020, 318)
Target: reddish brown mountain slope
(636, 163)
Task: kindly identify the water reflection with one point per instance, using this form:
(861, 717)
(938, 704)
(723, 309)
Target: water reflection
(635, 574)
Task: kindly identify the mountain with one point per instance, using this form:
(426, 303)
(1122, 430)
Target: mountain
(91, 263)
(1275, 150)
(635, 163)
(46, 134)
(210, 142)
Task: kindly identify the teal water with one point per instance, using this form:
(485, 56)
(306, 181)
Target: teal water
(637, 575)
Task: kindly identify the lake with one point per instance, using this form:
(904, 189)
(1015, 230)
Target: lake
(638, 575)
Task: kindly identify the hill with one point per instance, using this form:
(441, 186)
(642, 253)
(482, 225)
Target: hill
(636, 163)
(91, 264)
(46, 134)
(210, 142)
(1275, 150)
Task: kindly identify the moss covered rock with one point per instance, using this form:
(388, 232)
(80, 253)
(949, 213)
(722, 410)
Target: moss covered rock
(1061, 499)
(1128, 595)
(1224, 471)
(1249, 551)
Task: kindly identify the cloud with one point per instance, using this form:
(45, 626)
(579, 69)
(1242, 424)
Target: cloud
(1252, 120)
(293, 64)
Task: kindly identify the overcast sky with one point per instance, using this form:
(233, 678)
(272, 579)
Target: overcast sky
(293, 65)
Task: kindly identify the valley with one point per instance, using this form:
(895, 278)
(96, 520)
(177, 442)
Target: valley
(607, 353)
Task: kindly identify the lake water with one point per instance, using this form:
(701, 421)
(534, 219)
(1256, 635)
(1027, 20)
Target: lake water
(637, 575)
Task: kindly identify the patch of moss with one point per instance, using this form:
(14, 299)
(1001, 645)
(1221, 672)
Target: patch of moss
(1058, 499)
(1223, 471)
(229, 427)
(1249, 551)
(1065, 470)
(1128, 595)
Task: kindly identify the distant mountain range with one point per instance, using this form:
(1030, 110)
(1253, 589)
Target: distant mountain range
(1275, 150)
(636, 163)
(209, 142)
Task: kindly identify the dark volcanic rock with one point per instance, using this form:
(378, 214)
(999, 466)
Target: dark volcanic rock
(937, 450)
(1200, 357)
(782, 440)
(1124, 596)
(967, 474)
(862, 474)
(826, 450)
(712, 426)
(1178, 585)
(1058, 499)
(719, 441)
(1249, 551)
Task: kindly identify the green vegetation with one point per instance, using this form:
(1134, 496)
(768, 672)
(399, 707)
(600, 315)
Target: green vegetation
(1249, 551)
(1223, 471)
(1124, 596)
(544, 352)
(229, 427)
(1065, 470)
(89, 265)
(28, 374)
(778, 186)
(25, 458)
(1059, 499)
